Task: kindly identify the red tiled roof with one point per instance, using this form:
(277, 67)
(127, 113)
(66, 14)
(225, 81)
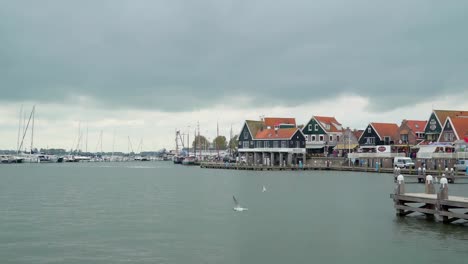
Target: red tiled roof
(460, 124)
(416, 125)
(330, 121)
(358, 133)
(274, 121)
(283, 133)
(386, 130)
(443, 114)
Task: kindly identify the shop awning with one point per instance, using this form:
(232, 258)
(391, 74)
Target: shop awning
(346, 146)
(425, 152)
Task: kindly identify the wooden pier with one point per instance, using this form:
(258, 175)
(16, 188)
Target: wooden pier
(410, 172)
(433, 205)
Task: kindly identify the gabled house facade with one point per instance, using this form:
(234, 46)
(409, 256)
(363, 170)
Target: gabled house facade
(455, 129)
(377, 134)
(322, 134)
(411, 132)
(437, 120)
(272, 141)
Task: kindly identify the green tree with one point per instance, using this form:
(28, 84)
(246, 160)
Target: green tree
(220, 142)
(200, 142)
(233, 143)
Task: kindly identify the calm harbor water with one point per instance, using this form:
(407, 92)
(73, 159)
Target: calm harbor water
(157, 212)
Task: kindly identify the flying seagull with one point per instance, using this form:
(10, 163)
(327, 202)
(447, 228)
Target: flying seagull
(264, 188)
(237, 206)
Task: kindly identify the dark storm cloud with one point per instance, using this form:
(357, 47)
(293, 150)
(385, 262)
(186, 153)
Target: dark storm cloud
(182, 55)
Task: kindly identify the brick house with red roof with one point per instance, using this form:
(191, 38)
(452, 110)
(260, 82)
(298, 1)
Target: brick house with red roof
(411, 132)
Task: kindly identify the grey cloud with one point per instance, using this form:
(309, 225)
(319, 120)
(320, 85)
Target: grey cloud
(184, 55)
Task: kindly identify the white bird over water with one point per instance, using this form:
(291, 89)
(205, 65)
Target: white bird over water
(237, 206)
(264, 188)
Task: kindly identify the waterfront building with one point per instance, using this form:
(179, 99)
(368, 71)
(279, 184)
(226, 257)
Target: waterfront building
(322, 134)
(271, 141)
(411, 133)
(436, 122)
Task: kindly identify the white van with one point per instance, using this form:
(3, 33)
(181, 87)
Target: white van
(403, 162)
(461, 165)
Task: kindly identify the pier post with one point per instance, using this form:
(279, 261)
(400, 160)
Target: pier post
(443, 195)
(430, 185)
(430, 190)
(400, 189)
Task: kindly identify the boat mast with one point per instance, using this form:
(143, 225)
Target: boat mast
(25, 130)
(217, 138)
(199, 145)
(87, 134)
(32, 128)
(19, 130)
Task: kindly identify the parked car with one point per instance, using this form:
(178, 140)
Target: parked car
(229, 159)
(403, 162)
(461, 165)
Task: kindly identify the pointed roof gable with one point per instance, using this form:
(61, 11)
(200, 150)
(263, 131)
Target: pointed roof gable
(460, 126)
(386, 130)
(274, 121)
(253, 126)
(283, 133)
(443, 114)
(357, 133)
(333, 124)
(416, 125)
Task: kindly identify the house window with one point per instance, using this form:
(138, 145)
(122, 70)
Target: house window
(370, 140)
(337, 138)
(404, 138)
(284, 144)
(266, 144)
(313, 138)
(369, 130)
(331, 138)
(306, 137)
(309, 127)
(387, 140)
(298, 144)
(246, 135)
(275, 144)
(321, 138)
(245, 144)
(316, 127)
(448, 137)
(259, 144)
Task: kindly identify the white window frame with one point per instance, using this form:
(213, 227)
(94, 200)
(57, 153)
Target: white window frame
(313, 138)
(331, 137)
(245, 144)
(309, 127)
(284, 144)
(316, 127)
(321, 138)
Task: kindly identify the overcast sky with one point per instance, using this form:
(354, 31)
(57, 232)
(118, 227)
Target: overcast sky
(142, 69)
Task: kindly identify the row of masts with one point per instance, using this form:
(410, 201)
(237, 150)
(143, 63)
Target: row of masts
(25, 123)
(179, 139)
